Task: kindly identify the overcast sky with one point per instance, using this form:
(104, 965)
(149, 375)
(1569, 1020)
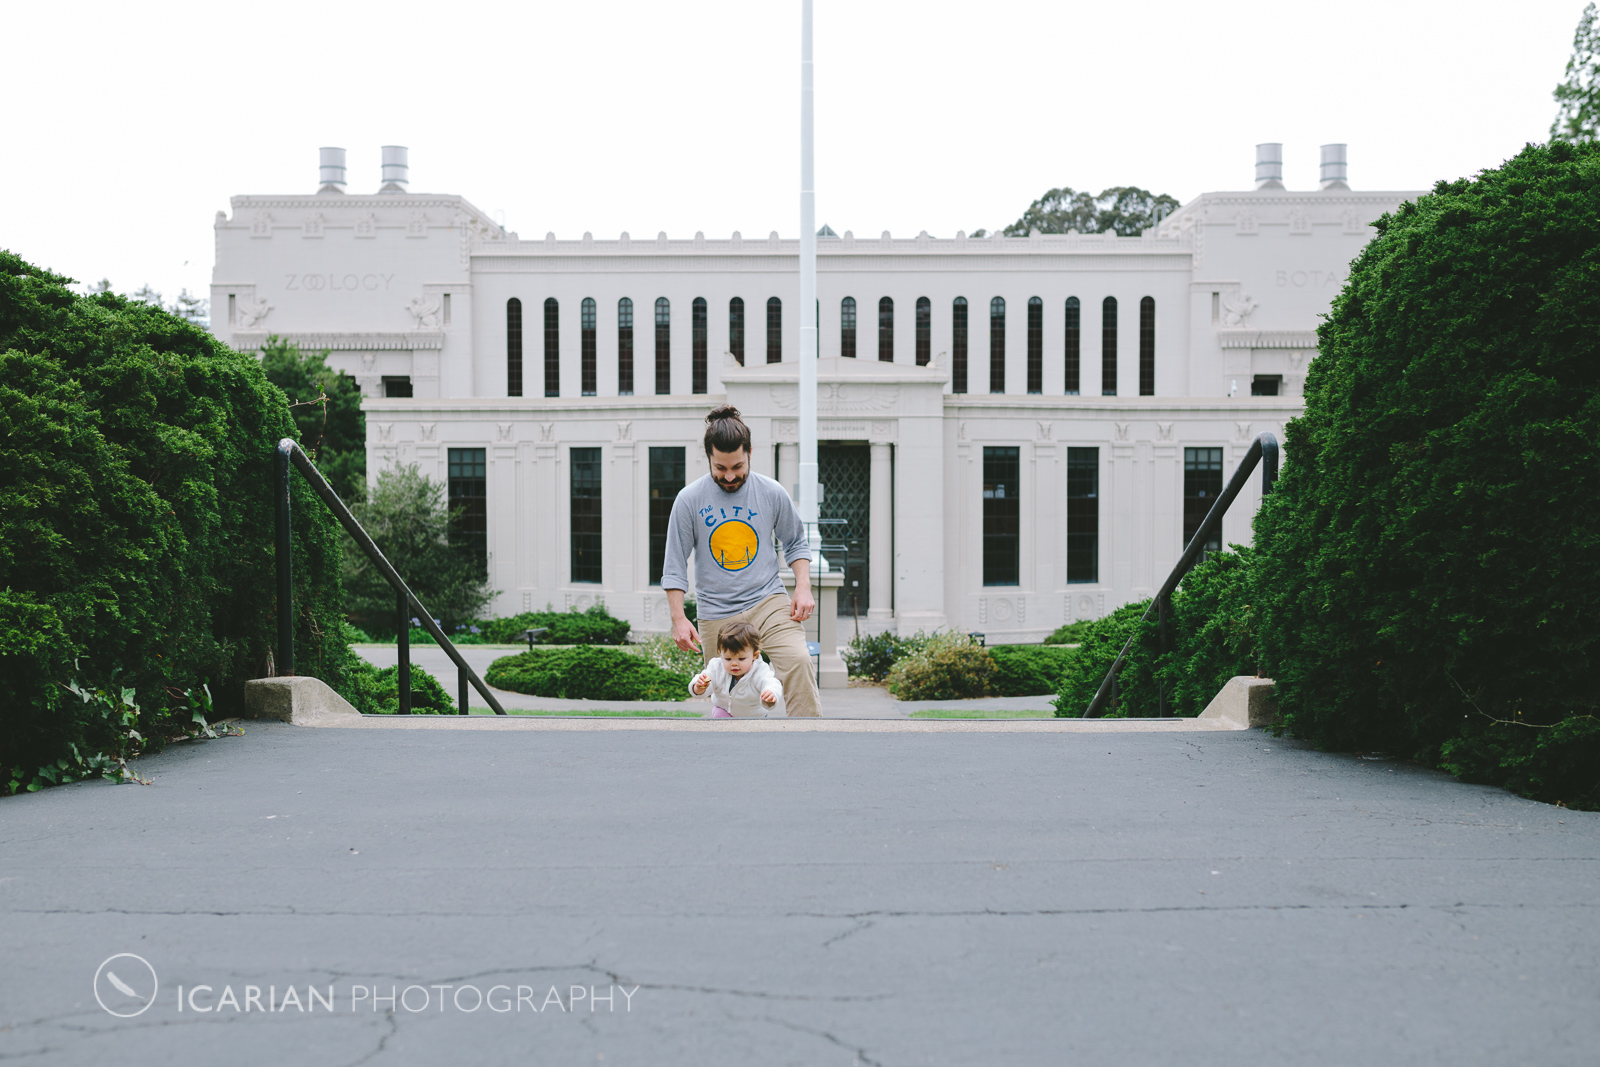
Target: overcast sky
(129, 125)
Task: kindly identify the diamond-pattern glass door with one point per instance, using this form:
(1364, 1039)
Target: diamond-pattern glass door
(845, 471)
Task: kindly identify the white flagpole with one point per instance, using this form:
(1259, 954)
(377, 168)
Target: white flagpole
(808, 282)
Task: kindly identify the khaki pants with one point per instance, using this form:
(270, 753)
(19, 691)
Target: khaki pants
(783, 641)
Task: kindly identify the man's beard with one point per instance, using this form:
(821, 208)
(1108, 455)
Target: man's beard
(731, 486)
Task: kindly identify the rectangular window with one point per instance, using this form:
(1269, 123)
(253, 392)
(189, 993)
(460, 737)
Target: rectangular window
(447, 309)
(1108, 347)
(924, 331)
(590, 358)
(396, 385)
(736, 329)
(1002, 515)
(666, 479)
(1147, 347)
(1083, 515)
(1074, 366)
(663, 347)
(697, 339)
(552, 347)
(1035, 345)
(467, 486)
(958, 345)
(513, 347)
(847, 327)
(624, 347)
(1266, 385)
(886, 330)
(585, 499)
(775, 330)
(1202, 484)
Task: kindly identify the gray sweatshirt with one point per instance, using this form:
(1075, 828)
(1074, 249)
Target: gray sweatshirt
(732, 537)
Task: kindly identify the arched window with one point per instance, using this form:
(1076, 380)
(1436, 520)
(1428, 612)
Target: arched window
(588, 370)
(552, 347)
(997, 345)
(1147, 346)
(924, 331)
(1035, 345)
(847, 327)
(624, 347)
(697, 351)
(1108, 347)
(513, 347)
(958, 345)
(736, 328)
(885, 330)
(774, 330)
(1074, 372)
(663, 346)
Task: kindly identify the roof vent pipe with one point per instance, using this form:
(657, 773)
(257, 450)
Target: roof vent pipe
(1335, 167)
(1269, 166)
(396, 170)
(330, 178)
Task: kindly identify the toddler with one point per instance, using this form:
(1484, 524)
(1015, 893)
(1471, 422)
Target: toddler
(742, 684)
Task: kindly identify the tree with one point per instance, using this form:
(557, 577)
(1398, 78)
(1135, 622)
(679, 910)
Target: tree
(406, 515)
(327, 409)
(1124, 209)
(1578, 98)
(1428, 566)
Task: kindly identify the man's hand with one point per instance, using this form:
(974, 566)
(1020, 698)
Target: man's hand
(684, 633)
(804, 605)
(768, 697)
(702, 682)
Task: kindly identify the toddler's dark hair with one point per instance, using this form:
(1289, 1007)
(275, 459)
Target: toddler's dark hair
(726, 431)
(738, 636)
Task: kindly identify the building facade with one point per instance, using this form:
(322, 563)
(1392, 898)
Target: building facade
(1015, 432)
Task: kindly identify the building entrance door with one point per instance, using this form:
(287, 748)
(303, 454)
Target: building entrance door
(845, 471)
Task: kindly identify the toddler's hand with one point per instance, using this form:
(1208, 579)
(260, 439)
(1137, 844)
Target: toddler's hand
(701, 682)
(768, 697)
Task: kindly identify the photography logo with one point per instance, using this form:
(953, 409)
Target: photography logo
(125, 985)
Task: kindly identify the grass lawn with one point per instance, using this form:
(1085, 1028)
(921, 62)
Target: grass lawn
(975, 713)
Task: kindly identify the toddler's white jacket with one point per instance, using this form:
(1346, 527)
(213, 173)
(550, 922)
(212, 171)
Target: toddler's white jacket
(742, 701)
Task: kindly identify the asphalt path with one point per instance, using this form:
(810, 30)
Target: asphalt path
(793, 898)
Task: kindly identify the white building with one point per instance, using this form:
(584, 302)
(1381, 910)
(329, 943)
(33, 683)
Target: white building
(1020, 431)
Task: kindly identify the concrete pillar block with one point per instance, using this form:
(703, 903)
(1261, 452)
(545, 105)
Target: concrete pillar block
(299, 700)
(1244, 702)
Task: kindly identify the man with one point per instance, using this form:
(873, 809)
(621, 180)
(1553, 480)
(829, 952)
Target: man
(733, 521)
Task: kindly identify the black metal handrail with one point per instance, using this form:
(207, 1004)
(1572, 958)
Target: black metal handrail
(288, 453)
(1263, 450)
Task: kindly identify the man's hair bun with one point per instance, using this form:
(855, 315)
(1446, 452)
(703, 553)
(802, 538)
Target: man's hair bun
(726, 431)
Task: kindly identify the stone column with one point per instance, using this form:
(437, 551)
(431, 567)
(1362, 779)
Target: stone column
(788, 467)
(880, 549)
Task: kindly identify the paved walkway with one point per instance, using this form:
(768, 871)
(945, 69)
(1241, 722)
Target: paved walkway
(795, 897)
(865, 702)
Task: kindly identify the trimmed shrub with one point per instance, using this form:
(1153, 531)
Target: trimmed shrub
(136, 521)
(1430, 561)
(1027, 670)
(375, 691)
(1102, 641)
(871, 656)
(586, 673)
(1070, 633)
(948, 666)
(592, 627)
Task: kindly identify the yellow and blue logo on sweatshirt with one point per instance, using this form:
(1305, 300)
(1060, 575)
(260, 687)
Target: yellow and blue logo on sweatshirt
(734, 542)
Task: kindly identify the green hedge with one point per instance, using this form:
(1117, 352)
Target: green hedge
(375, 691)
(948, 666)
(1211, 637)
(1430, 561)
(1027, 670)
(592, 627)
(136, 520)
(586, 673)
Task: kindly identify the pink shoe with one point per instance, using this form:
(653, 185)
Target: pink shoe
(720, 713)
